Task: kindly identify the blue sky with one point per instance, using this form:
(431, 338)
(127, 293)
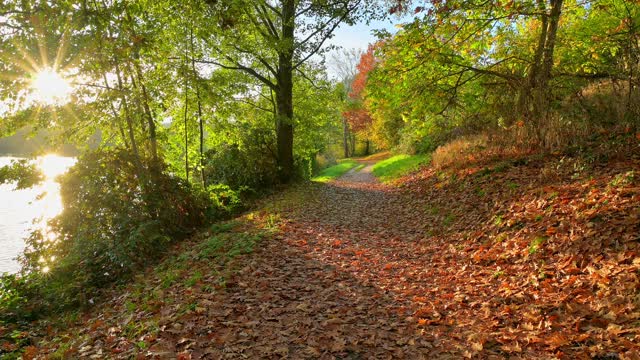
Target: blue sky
(360, 35)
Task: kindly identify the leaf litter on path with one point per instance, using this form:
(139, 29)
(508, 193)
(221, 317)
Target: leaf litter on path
(467, 263)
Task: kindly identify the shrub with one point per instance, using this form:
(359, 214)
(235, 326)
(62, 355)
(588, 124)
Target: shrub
(237, 167)
(16, 292)
(225, 200)
(118, 216)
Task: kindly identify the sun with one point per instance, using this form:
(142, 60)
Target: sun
(50, 87)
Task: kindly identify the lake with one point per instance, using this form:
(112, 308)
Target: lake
(23, 210)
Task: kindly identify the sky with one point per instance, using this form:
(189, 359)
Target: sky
(361, 35)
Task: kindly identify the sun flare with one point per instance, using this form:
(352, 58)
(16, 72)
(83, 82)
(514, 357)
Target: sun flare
(50, 87)
(53, 165)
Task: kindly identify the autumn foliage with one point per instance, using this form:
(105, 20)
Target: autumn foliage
(359, 119)
(522, 257)
(367, 63)
(357, 115)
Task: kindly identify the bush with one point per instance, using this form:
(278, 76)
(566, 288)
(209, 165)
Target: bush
(239, 167)
(225, 200)
(16, 295)
(118, 216)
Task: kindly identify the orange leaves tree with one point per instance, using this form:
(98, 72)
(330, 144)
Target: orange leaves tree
(356, 113)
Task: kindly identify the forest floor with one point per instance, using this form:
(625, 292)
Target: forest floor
(530, 257)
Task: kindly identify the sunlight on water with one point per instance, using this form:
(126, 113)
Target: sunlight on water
(23, 210)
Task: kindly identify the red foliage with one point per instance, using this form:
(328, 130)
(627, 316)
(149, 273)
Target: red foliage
(359, 119)
(367, 63)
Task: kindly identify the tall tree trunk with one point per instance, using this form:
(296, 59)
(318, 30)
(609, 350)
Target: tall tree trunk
(534, 98)
(150, 122)
(284, 94)
(524, 100)
(200, 120)
(352, 143)
(345, 137)
(550, 44)
(129, 120)
(630, 110)
(117, 118)
(153, 137)
(186, 128)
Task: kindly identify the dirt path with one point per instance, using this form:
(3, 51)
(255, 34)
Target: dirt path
(325, 288)
(444, 268)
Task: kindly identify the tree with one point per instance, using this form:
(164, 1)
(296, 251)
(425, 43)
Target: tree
(272, 40)
(441, 70)
(345, 65)
(356, 114)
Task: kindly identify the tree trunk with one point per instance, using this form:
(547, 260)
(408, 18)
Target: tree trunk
(151, 123)
(345, 137)
(284, 94)
(353, 144)
(186, 128)
(200, 121)
(524, 100)
(550, 44)
(284, 133)
(129, 120)
(534, 98)
(366, 147)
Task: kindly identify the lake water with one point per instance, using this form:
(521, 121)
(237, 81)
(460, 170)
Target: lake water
(23, 210)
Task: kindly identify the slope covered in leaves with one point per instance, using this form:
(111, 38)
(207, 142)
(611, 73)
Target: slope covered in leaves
(532, 257)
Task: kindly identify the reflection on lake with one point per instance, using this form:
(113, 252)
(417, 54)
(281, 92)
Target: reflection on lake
(22, 210)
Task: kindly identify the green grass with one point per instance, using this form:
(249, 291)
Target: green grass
(397, 166)
(334, 172)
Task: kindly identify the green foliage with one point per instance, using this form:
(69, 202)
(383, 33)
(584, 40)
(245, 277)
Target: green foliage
(334, 172)
(242, 165)
(225, 200)
(22, 172)
(16, 294)
(397, 166)
(118, 216)
(463, 68)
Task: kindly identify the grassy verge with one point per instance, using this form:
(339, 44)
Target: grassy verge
(396, 166)
(334, 172)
